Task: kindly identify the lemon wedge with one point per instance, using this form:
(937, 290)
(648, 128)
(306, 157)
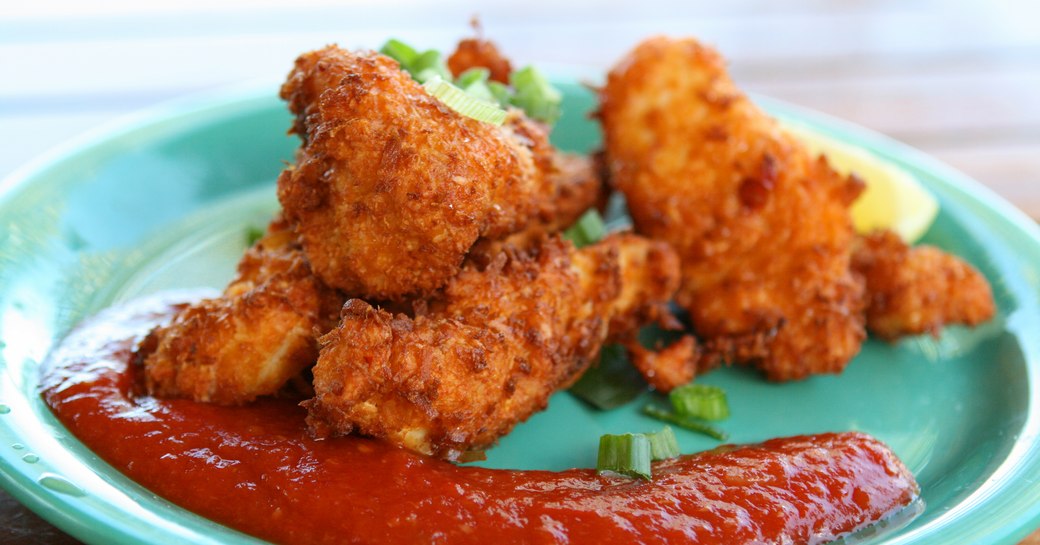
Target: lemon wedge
(893, 199)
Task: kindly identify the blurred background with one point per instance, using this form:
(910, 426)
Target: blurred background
(957, 79)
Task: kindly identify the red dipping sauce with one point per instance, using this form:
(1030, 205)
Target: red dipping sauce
(256, 469)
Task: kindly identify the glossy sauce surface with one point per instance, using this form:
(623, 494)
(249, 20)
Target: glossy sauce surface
(255, 468)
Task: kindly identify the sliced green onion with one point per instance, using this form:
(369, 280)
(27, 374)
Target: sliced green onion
(429, 65)
(535, 95)
(253, 234)
(627, 454)
(528, 90)
(502, 93)
(471, 76)
(423, 66)
(474, 82)
(588, 229)
(401, 52)
(458, 100)
(700, 401)
(611, 382)
(663, 444)
(685, 422)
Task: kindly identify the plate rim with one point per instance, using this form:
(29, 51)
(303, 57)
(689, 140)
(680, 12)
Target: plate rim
(69, 516)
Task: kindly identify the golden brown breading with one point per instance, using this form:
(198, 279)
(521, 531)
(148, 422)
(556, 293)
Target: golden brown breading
(650, 277)
(250, 341)
(391, 187)
(480, 53)
(918, 290)
(667, 368)
(576, 187)
(486, 353)
(762, 227)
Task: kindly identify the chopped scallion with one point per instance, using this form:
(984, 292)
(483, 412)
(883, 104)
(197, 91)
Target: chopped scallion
(429, 65)
(627, 454)
(663, 444)
(611, 382)
(422, 66)
(528, 89)
(535, 95)
(253, 234)
(588, 229)
(401, 52)
(471, 76)
(475, 82)
(700, 401)
(501, 92)
(685, 422)
(464, 104)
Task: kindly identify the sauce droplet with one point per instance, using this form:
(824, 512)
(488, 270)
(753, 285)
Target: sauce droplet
(60, 484)
(30, 458)
(4, 409)
(17, 446)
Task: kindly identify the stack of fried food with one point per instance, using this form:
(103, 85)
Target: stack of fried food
(415, 286)
(416, 271)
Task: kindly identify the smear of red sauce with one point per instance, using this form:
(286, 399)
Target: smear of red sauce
(255, 468)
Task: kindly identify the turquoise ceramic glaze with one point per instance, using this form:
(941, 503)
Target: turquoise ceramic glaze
(164, 201)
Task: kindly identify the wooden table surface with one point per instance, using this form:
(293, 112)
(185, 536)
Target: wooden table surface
(957, 79)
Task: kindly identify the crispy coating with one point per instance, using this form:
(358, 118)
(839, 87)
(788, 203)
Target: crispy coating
(669, 367)
(650, 277)
(480, 53)
(252, 340)
(762, 227)
(391, 187)
(918, 290)
(487, 352)
(577, 185)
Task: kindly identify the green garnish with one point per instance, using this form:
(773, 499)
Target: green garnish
(610, 383)
(475, 82)
(422, 66)
(429, 65)
(253, 234)
(663, 444)
(501, 92)
(535, 95)
(473, 76)
(631, 453)
(401, 52)
(700, 401)
(463, 103)
(685, 422)
(627, 454)
(588, 229)
(528, 89)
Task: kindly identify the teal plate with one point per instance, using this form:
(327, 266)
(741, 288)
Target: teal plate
(165, 200)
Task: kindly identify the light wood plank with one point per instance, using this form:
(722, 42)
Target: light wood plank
(925, 107)
(1012, 170)
(146, 54)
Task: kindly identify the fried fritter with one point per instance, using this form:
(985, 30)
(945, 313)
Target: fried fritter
(576, 187)
(575, 181)
(918, 290)
(391, 187)
(762, 227)
(486, 352)
(669, 367)
(252, 340)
